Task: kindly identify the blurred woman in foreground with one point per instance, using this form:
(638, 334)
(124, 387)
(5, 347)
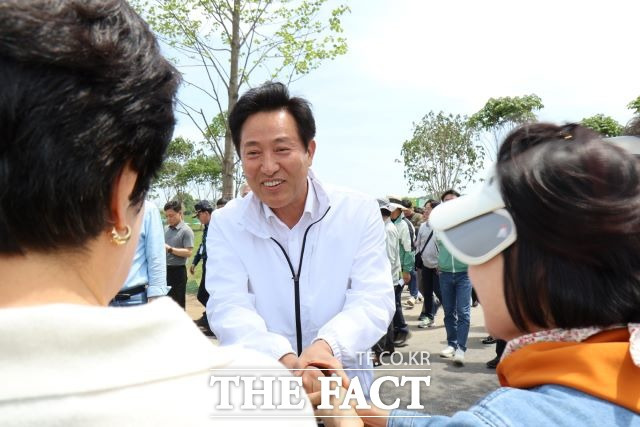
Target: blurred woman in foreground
(86, 114)
(552, 240)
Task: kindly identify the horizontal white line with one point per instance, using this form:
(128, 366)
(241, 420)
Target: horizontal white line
(403, 368)
(326, 416)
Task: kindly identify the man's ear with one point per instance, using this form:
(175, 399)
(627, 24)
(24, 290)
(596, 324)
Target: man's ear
(120, 194)
(311, 150)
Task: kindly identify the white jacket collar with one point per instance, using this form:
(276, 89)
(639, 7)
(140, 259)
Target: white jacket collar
(252, 216)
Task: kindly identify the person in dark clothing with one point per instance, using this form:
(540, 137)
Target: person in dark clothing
(203, 213)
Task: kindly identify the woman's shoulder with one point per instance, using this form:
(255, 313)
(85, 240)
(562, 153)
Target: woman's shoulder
(550, 404)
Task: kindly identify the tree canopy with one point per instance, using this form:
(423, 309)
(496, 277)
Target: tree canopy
(605, 125)
(235, 43)
(188, 169)
(501, 115)
(441, 154)
(635, 106)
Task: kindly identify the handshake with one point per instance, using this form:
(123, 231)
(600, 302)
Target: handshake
(328, 387)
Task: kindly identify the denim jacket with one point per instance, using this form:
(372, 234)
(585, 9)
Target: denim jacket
(547, 405)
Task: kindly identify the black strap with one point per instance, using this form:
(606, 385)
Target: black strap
(126, 294)
(426, 243)
(296, 280)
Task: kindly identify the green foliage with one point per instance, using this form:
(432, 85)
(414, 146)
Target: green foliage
(232, 39)
(185, 166)
(635, 106)
(194, 281)
(604, 125)
(501, 115)
(505, 110)
(188, 204)
(441, 153)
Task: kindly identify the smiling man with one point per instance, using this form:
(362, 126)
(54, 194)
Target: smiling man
(289, 271)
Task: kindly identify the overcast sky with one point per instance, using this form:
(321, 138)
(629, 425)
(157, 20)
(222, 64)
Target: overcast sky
(407, 57)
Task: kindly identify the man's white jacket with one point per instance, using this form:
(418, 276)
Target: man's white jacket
(346, 292)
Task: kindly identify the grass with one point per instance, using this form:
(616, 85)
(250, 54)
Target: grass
(194, 281)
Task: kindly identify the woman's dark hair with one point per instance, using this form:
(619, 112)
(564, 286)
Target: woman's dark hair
(272, 96)
(575, 201)
(85, 91)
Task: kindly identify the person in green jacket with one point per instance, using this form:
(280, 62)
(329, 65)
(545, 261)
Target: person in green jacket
(455, 289)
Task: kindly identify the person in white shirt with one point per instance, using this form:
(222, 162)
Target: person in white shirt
(291, 274)
(430, 282)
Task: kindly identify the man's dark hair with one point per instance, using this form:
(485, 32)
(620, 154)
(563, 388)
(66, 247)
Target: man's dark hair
(85, 91)
(272, 96)
(174, 205)
(557, 182)
(448, 192)
(431, 202)
(221, 202)
(407, 203)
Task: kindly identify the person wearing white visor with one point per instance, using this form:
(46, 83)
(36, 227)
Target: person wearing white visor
(552, 239)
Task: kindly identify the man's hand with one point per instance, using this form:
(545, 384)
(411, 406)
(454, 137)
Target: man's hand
(320, 356)
(337, 417)
(192, 269)
(166, 247)
(406, 276)
(289, 360)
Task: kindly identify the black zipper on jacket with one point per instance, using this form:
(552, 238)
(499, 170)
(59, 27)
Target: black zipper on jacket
(296, 279)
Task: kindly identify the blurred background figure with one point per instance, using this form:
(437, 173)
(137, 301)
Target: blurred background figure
(178, 238)
(244, 189)
(203, 212)
(147, 277)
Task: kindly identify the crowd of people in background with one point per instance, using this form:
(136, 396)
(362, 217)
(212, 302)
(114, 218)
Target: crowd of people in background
(422, 259)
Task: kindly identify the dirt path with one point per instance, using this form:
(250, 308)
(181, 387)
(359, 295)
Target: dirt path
(194, 308)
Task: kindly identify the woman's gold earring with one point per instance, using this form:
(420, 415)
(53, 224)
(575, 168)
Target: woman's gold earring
(118, 239)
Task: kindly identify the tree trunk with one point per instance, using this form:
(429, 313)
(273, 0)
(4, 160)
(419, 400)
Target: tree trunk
(229, 149)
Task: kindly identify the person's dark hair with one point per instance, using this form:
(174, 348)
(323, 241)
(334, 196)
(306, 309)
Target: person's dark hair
(633, 127)
(407, 203)
(84, 92)
(221, 202)
(174, 205)
(446, 193)
(272, 96)
(385, 212)
(575, 201)
(432, 203)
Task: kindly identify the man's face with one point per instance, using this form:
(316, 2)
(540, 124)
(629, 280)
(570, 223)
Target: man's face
(395, 214)
(427, 211)
(173, 217)
(275, 161)
(449, 197)
(204, 217)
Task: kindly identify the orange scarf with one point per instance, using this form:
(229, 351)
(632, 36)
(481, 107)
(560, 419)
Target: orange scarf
(600, 366)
